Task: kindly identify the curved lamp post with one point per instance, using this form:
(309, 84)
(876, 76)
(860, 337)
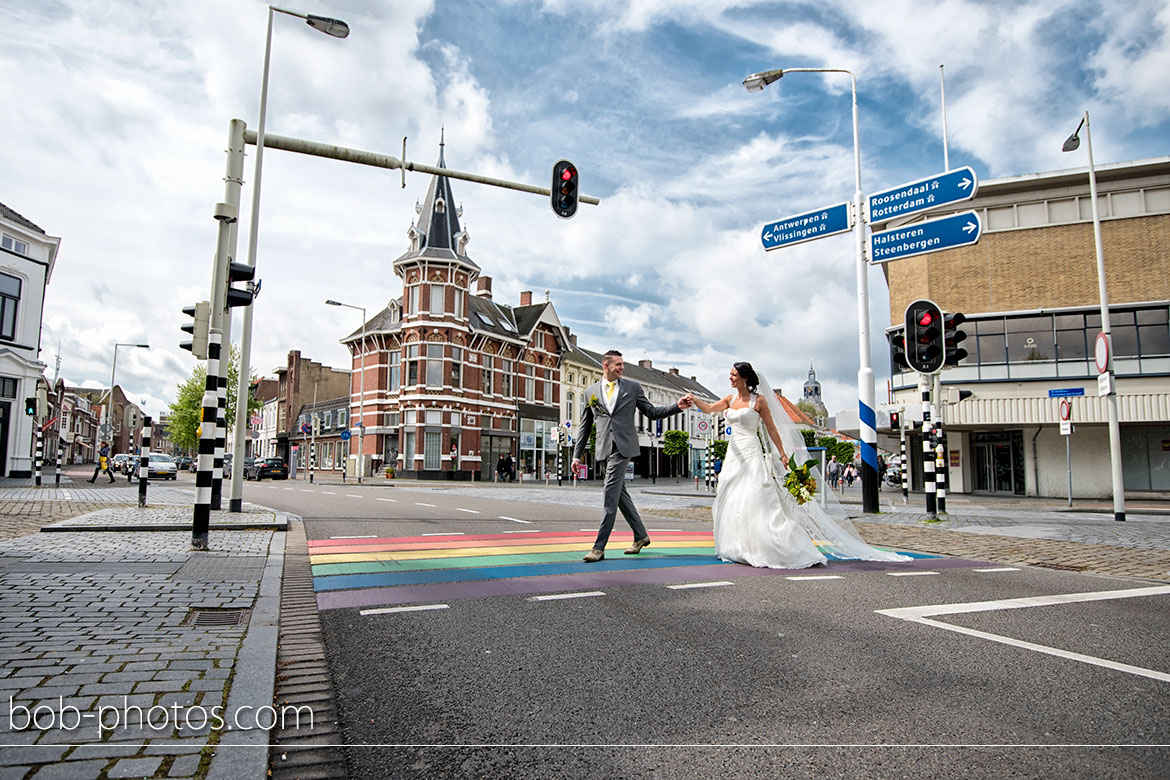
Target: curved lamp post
(113, 365)
(865, 391)
(361, 386)
(337, 29)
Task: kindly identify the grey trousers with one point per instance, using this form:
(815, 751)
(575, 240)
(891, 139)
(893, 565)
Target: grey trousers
(617, 497)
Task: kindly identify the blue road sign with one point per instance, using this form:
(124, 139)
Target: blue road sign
(1066, 392)
(806, 227)
(920, 238)
(345, 435)
(931, 192)
(306, 428)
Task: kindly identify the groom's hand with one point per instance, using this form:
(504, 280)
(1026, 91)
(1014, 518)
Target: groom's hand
(685, 402)
(576, 464)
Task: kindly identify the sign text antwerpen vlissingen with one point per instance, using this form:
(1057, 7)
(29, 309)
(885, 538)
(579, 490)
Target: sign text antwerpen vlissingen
(806, 227)
(933, 235)
(932, 192)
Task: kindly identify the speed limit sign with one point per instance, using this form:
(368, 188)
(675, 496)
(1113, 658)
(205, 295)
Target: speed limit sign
(703, 426)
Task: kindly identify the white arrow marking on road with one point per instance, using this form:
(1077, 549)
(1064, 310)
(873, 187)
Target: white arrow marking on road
(699, 585)
(514, 520)
(970, 227)
(468, 511)
(556, 596)
(416, 608)
(964, 184)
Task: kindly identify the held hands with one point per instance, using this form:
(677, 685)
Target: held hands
(686, 402)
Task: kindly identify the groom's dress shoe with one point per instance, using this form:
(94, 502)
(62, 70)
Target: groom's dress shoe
(595, 555)
(637, 546)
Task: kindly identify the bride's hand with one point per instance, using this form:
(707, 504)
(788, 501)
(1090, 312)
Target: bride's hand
(784, 460)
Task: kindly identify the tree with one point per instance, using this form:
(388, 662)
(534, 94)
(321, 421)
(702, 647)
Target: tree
(810, 437)
(677, 443)
(719, 449)
(808, 408)
(187, 410)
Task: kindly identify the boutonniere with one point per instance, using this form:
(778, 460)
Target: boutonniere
(593, 401)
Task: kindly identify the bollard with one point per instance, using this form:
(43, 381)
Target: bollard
(144, 463)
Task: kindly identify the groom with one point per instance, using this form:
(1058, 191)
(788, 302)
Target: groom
(610, 404)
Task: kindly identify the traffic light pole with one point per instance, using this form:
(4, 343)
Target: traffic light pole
(941, 477)
(928, 457)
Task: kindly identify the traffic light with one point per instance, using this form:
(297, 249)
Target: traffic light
(240, 272)
(952, 337)
(30, 406)
(896, 421)
(198, 328)
(924, 336)
(898, 351)
(565, 189)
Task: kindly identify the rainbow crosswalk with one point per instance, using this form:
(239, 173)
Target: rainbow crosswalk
(399, 570)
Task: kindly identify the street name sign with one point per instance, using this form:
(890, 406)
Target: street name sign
(920, 238)
(806, 227)
(929, 193)
(1066, 392)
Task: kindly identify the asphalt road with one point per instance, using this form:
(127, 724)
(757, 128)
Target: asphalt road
(764, 677)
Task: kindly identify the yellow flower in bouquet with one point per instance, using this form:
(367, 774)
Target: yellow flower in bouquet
(800, 482)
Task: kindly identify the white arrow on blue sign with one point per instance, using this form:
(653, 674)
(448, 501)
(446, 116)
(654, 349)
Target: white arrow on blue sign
(929, 193)
(920, 238)
(806, 227)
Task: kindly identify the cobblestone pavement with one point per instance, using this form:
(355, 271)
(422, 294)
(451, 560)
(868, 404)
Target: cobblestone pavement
(125, 654)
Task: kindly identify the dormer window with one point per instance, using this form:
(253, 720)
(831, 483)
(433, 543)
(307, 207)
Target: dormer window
(440, 205)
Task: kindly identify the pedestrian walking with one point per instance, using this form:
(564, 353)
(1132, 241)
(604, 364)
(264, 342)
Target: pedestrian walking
(834, 472)
(103, 464)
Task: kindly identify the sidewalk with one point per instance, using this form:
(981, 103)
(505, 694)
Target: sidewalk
(125, 654)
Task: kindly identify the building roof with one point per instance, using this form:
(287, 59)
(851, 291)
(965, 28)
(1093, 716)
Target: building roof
(438, 228)
(12, 216)
(643, 374)
(794, 412)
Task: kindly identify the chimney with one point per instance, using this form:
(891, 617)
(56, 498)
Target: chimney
(674, 371)
(526, 298)
(485, 287)
(645, 363)
(573, 339)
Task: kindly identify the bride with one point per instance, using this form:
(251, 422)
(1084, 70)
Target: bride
(756, 519)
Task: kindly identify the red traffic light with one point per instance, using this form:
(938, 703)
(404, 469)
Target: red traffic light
(925, 318)
(567, 174)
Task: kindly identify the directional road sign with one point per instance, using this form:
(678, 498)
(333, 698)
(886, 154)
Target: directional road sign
(806, 227)
(921, 238)
(931, 192)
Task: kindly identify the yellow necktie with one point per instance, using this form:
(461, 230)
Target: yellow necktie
(609, 388)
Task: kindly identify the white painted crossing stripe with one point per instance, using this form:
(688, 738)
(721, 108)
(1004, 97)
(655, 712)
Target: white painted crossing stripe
(419, 503)
(556, 596)
(415, 608)
(921, 615)
(1002, 568)
(353, 495)
(371, 536)
(586, 529)
(391, 500)
(699, 585)
(468, 511)
(290, 490)
(328, 493)
(444, 533)
(515, 520)
(909, 573)
(814, 577)
(306, 490)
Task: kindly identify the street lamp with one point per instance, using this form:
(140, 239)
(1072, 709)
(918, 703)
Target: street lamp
(337, 29)
(113, 365)
(361, 386)
(1072, 144)
(865, 390)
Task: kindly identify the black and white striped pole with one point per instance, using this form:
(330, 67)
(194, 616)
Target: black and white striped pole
(927, 447)
(144, 463)
(905, 462)
(40, 456)
(940, 464)
(206, 467)
(60, 418)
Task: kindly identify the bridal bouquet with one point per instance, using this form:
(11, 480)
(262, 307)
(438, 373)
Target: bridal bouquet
(800, 482)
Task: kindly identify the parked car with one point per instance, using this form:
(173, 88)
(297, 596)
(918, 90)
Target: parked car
(161, 467)
(273, 468)
(119, 463)
(183, 463)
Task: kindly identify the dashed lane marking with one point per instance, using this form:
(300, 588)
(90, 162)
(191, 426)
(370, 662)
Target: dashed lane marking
(353, 495)
(814, 577)
(391, 500)
(558, 596)
(444, 533)
(420, 503)
(699, 585)
(923, 614)
(909, 573)
(468, 511)
(516, 520)
(414, 608)
(1000, 568)
(328, 493)
(371, 536)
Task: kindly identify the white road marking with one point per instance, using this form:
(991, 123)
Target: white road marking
(699, 585)
(290, 490)
(587, 529)
(468, 511)
(922, 615)
(306, 490)
(416, 608)
(419, 503)
(371, 536)
(814, 577)
(444, 533)
(515, 520)
(909, 573)
(353, 495)
(328, 493)
(1002, 568)
(556, 596)
(523, 531)
(391, 500)
(648, 530)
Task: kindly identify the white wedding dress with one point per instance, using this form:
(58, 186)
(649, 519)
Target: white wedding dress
(756, 519)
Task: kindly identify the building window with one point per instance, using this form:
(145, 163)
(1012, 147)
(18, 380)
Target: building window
(411, 300)
(431, 455)
(457, 307)
(434, 365)
(437, 291)
(569, 406)
(456, 367)
(342, 418)
(506, 388)
(1153, 332)
(7, 387)
(9, 298)
(412, 365)
(1030, 338)
(395, 370)
(15, 245)
(530, 384)
(408, 451)
(990, 341)
(485, 375)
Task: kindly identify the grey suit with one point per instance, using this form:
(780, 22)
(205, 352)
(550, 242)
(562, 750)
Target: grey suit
(617, 442)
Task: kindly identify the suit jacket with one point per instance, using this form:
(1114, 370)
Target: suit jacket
(616, 430)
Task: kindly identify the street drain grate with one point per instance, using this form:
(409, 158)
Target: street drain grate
(216, 617)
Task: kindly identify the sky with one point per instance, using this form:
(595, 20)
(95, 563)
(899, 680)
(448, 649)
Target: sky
(116, 119)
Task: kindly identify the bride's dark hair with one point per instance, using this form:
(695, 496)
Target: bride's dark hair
(748, 374)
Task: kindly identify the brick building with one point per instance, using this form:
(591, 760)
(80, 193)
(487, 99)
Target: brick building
(453, 378)
(125, 417)
(301, 381)
(1029, 289)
